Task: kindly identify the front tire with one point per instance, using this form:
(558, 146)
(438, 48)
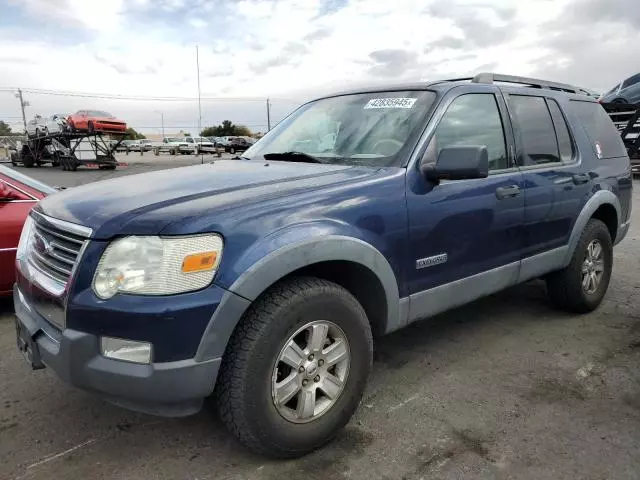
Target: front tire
(581, 286)
(295, 368)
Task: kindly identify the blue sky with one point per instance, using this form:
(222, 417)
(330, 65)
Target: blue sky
(291, 50)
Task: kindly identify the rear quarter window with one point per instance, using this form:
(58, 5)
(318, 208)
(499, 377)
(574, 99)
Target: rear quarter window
(603, 135)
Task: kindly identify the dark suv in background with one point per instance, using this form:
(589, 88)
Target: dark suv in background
(237, 144)
(262, 282)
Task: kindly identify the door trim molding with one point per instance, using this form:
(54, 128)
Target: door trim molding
(443, 297)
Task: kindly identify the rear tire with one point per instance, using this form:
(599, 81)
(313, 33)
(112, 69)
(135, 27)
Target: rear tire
(571, 289)
(232, 150)
(291, 311)
(156, 152)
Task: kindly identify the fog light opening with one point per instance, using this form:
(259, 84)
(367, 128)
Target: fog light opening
(126, 350)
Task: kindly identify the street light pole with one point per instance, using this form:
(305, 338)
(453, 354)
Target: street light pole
(162, 120)
(199, 101)
(268, 116)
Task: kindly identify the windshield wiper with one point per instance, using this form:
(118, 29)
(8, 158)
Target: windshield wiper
(292, 157)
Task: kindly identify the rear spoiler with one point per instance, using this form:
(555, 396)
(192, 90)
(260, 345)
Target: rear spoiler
(626, 118)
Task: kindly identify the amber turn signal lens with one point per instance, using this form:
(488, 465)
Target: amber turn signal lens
(199, 262)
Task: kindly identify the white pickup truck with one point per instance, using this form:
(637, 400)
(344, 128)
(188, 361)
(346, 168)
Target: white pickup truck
(203, 145)
(173, 146)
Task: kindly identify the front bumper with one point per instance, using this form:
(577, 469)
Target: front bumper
(175, 388)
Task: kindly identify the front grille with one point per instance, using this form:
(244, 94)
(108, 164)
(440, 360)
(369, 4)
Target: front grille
(54, 251)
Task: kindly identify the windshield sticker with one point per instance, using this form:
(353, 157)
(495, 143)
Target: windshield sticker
(390, 103)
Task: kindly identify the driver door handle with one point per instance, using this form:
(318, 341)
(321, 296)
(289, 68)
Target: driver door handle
(507, 192)
(581, 178)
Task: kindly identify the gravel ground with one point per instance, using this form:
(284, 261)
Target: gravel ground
(503, 388)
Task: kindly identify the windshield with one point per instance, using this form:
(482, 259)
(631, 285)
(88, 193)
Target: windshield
(175, 140)
(98, 113)
(362, 129)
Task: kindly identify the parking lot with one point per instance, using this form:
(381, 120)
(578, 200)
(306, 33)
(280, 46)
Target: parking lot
(506, 387)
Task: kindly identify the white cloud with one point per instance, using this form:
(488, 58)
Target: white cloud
(197, 23)
(293, 48)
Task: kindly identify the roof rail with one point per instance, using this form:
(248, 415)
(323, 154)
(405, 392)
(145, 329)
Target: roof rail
(530, 82)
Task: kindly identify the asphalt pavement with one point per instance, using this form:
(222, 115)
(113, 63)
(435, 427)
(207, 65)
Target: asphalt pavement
(505, 388)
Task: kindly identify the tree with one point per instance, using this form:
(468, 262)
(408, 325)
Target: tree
(242, 131)
(226, 129)
(131, 134)
(5, 129)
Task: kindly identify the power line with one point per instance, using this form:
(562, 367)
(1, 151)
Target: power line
(63, 93)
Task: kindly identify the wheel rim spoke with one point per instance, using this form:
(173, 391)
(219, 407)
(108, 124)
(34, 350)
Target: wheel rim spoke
(293, 355)
(585, 267)
(318, 337)
(308, 378)
(599, 266)
(335, 353)
(585, 281)
(306, 404)
(597, 250)
(287, 388)
(331, 386)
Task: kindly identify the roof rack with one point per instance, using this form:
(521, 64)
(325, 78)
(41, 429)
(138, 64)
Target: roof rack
(529, 82)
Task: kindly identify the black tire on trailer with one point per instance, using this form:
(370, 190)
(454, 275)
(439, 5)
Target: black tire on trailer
(14, 158)
(28, 161)
(313, 335)
(73, 164)
(581, 286)
(55, 161)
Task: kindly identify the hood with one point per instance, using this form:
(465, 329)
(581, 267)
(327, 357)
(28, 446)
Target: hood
(119, 206)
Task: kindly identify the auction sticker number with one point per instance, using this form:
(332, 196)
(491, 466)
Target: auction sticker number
(390, 103)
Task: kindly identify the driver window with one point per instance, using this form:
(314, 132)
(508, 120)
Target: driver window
(472, 119)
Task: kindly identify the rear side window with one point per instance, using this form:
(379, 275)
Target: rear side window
(565, 144)
(603, 135)
(536, 129)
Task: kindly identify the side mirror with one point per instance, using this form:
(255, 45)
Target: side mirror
(458, 163)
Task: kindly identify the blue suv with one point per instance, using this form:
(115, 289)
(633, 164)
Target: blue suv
(259, 284)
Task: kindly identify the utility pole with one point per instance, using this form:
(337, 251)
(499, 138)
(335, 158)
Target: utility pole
(268, 116)
(161, 120)
(199, 100)
(22, 105)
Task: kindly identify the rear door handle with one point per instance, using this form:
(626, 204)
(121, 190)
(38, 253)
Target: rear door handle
(563, 180)
(581, 178)
(507, 192)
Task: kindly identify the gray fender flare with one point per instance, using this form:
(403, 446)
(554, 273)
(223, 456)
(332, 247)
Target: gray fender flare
(281, 262)
(601, 197)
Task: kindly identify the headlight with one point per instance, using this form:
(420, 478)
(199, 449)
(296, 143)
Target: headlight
(25, 238)
(157, 265)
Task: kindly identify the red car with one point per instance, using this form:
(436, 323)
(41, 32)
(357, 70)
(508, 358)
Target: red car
(18, 194)
(95, 121)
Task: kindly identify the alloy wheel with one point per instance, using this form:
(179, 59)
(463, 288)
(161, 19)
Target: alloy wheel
(310, 372)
